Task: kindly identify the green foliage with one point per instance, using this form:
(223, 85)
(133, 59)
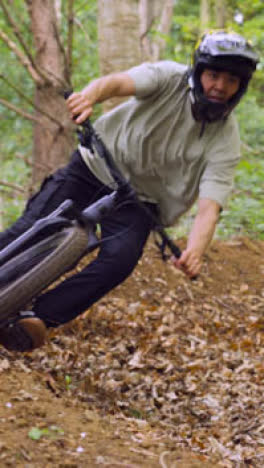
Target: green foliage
(245, 213)
(16, 132)
(184, 31)
(85, 52)
(52, 432)
(68, 382)
(251, 117)
(135, 413)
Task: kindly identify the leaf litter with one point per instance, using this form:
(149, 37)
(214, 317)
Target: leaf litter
(178, 363)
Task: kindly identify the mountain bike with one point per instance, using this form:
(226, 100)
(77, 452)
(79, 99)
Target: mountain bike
(57, 242)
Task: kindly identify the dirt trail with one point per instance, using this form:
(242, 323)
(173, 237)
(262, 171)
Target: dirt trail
(163, 372)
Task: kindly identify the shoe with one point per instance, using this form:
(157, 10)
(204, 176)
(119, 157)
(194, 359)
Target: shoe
(24, 333)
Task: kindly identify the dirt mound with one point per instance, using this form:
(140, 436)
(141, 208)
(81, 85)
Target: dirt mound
(163, 372)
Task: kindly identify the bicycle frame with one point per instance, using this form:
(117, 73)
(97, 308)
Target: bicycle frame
(60, 219)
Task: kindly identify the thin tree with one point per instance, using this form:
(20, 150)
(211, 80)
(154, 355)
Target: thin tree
(48, 64)
(154, 15)
(118, 37)
(220, 13)
(204, 14)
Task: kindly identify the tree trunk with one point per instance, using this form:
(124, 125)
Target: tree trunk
(118, 38)
(53, 137)
(204, 13)
(123, 27)
(220, 13)
(53, 140)
(161, 13)
(1, 213)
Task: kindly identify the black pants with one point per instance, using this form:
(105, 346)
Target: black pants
(125, 232)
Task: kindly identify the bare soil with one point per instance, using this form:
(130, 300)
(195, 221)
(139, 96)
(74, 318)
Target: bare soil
(163, 372)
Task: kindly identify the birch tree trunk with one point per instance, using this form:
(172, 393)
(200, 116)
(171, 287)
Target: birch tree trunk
(123, 27)
(204, 13)
(118, 37)
(220, 13)
(158, 13)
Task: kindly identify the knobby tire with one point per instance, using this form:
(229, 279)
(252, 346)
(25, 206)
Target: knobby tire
(37, 267)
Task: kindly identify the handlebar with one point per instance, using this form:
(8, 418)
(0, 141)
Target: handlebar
(91, 140)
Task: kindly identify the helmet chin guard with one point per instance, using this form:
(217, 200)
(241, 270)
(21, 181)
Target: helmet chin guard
(206, 110)
(223, 51)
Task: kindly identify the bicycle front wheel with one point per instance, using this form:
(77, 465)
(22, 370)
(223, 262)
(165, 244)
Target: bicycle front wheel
(26, 275)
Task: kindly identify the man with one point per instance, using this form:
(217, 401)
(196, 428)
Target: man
(175, 140)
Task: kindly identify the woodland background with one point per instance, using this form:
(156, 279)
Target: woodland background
(47, 46)
(163, 372)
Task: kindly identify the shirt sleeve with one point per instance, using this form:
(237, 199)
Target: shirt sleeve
(150, 78)
(217, 180)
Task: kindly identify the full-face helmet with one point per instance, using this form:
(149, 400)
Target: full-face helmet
(223, 51)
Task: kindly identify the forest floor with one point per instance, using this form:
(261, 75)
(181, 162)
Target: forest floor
(163, 372)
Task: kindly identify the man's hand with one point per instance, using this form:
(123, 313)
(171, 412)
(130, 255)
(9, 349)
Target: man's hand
(190, 262)
(81, 104)
(200, 237)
